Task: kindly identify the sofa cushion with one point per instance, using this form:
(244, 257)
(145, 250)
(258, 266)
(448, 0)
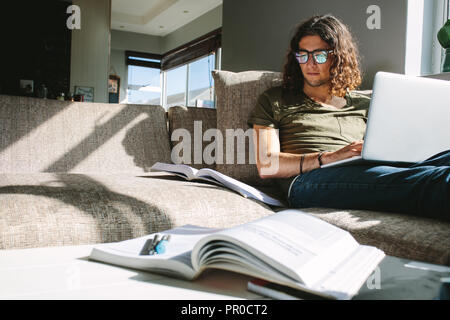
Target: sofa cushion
(237, 94)
(42, 135)
(196, 121)
(398, 235)
(57, 209)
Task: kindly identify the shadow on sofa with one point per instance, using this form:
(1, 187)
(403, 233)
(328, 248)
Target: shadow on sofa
(101, 133)
(60, 136)
(66, 200)
(141, 156)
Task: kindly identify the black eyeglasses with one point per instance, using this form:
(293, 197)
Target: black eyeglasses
(319, 55)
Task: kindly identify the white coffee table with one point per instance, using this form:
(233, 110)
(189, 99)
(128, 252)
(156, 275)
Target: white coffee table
(66, 273)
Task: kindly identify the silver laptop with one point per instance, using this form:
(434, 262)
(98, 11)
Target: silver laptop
(408, 120)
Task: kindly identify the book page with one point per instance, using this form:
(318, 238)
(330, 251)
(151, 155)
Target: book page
(238, 186)
(289, 241)
(228, 256)
(181, 170)
(175, 261)
(350, 275)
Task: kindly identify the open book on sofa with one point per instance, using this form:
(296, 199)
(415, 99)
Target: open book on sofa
(213, 176)
(290, 247)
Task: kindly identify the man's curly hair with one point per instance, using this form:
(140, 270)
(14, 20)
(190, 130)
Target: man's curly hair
(345, 72)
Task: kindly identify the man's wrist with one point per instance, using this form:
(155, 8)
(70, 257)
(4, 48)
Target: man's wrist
(327, 157)
(319, 158)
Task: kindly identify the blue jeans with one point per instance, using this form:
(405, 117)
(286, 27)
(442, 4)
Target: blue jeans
(421, 189)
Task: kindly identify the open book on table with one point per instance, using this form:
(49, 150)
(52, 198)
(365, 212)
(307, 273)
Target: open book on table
(290, 247)
(213, 176)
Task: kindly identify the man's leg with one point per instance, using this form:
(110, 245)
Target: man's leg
(440, 159)
(417, 190)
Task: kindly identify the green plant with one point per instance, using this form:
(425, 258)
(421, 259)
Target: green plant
(444, 39)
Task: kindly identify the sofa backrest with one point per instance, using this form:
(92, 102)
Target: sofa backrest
(43, 135)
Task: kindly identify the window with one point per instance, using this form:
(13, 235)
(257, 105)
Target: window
(191, 84)
(200, 82)
(144, 78)
(175, 87)
(144, 85)
(143, 59)
(187, 72)
(181, 77)
(448, 9)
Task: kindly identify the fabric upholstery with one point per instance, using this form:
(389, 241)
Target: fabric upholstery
(398, 235)
(57, 209)
(196, 121)
(43, 135)
(237, 94)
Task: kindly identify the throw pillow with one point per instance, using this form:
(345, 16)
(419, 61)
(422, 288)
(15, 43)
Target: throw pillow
(237, 94)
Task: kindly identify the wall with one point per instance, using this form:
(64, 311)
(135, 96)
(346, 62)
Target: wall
(256, 33)
(208, 22)
(118, 68)
(123, 40)
(91, 48)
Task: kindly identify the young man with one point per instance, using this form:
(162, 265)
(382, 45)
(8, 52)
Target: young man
(315, 118)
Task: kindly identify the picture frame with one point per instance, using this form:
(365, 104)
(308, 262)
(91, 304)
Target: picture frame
(113, 84)
(26, 86)
(86, 92)
(113, 88)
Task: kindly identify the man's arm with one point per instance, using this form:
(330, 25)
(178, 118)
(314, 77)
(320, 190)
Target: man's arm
(272, 163)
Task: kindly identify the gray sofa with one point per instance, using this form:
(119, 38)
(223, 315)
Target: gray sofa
(78, 173)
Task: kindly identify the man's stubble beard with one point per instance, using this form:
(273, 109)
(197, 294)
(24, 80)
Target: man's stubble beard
(317, 83)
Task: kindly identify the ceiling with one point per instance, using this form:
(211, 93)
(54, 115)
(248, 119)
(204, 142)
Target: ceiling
(157, 17)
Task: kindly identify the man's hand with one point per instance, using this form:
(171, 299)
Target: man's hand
(352, 150)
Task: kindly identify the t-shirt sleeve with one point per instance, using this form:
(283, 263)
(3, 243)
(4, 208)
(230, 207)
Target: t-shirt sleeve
(262, 113)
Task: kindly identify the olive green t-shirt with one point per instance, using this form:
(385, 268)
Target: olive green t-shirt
(306, 126)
